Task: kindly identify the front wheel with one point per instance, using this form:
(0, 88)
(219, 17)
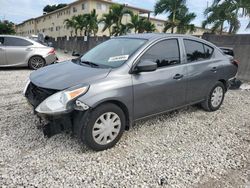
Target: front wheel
(215, 98)
(104, 127)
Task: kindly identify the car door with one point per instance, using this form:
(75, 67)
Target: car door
(165, 88)
(202, 69)
(2, 52)
(16, 50)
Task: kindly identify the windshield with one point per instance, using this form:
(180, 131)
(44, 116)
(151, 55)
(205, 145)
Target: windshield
(113, 53)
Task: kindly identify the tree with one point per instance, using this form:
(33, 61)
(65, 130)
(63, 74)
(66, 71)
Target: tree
(85, 22)
(70, 23)
(141, 25)
(227, 11)
(182, 21)
(137, 23)
(108, 22)
(185, 18)
(219, 14)
(117, 12)
(6, 27)
(51, 8)
(169, 6)
(91, 21)
(80, 23)
(148, 26)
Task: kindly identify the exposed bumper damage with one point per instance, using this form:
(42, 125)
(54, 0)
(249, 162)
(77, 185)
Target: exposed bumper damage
(55, 124)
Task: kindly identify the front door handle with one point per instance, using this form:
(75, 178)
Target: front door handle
(178, 76)
(214, 69)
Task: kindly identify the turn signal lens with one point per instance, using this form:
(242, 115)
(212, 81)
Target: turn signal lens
(75, 93)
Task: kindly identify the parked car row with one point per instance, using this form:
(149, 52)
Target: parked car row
(104, 92)
(20, 51)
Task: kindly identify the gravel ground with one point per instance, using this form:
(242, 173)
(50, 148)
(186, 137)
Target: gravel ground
(185, 148)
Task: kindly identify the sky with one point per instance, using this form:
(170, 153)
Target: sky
(19, 10)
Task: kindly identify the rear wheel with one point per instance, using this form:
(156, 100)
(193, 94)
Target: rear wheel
(36, 62)
(215, 98)
(104, 127)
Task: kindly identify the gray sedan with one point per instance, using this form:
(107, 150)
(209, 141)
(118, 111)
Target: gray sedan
(125, 79)
(20, 51)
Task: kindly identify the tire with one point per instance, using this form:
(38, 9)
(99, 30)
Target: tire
(215, 98)
(93, 125)
(36, 62)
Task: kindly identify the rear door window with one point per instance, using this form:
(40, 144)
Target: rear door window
(197, 51)
(13, 41)
(208, 51)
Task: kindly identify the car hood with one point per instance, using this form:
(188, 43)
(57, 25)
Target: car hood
(67, 74)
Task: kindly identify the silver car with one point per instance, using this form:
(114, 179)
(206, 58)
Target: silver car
(125, 79)
(20, 51)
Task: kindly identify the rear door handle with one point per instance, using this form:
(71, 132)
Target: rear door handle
(214, 69)
(178, 76)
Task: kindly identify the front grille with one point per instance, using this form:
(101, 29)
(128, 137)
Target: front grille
(36, 95)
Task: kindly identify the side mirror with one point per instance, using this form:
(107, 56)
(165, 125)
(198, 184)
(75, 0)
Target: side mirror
(75, 54)
(145, 66)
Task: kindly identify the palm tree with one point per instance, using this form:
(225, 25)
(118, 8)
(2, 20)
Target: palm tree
(91, 20)
(148, 26)
(171, 7)
(232, 10)
(185, 18)
(108, 22)
(70, 23)
(117, 12)
(136, 23)
(219, 14)
(80, 23)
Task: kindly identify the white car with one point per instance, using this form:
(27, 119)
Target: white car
(20, 51)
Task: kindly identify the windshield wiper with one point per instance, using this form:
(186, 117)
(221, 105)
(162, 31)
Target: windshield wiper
(90, 63)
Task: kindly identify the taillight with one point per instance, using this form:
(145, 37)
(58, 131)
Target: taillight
(52, 51)
(235, 62)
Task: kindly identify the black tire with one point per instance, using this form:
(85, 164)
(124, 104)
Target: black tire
(88, 123)
(40, 62)
(207, 104)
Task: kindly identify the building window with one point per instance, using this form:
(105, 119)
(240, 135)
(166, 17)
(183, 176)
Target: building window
(83, 6)
(98, 6)
(74, 9)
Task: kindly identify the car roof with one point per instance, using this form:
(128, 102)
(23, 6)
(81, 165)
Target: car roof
(25, 38)
(158, 36)
(153, 36)
(13, 36)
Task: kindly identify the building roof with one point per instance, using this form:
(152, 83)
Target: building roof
(142, 11)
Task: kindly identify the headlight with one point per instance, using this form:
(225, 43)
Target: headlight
(59, 102)
(26, 86)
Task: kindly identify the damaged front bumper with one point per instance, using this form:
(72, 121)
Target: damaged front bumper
(54, 123)
(67, 122)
